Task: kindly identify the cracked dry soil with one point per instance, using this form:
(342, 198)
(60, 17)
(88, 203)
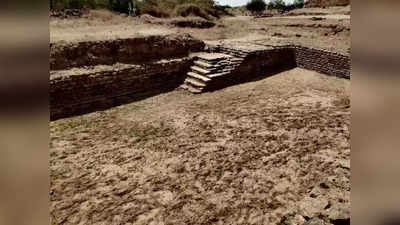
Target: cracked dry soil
(272, 151)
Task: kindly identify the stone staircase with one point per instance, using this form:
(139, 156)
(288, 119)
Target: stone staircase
(207, 68)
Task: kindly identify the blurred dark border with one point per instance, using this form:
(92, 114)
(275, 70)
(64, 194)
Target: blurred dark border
(24, 114)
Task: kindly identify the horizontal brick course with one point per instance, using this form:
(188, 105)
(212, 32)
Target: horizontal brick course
(134, 50)
(322, 61)
(79, 91)
(73, 94)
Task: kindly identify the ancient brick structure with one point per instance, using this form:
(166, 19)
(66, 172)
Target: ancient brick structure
(135, 50)
(82, 90)
(330, 63)
(243, 62)
(74, 93)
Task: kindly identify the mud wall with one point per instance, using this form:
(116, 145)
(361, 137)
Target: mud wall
(131, 50)
(97, 89)
(330, 63)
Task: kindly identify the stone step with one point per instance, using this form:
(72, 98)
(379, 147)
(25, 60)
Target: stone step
(199, 77)
(211, 57)
(212, 63)
(203, 64)
(218, 74)
(200, 70)
(192, 89)
(194, 82)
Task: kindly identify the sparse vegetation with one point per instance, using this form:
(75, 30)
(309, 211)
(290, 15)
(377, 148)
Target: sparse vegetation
(281, 5)
(206, 9)
(185, 10)
(276, 4)
(256, 6)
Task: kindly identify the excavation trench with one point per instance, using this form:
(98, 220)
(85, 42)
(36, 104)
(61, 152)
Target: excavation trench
(87, 77)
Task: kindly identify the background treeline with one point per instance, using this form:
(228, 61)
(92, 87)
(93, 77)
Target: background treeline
(281, 5)
(159, 8)
(259, 6)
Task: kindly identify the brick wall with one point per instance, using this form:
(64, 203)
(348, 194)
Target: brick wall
(330, 63)
(289, 56)
(263, 62)
(130, 50)
(97, 89)
(74, 92)
(257, 65)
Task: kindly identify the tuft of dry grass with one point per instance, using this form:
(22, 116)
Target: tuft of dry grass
(185, 10)
(155, 12)
(101, 14)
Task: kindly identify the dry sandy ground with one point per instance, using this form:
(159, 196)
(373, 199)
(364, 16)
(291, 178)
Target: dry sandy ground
(272, 151)
(333, 32)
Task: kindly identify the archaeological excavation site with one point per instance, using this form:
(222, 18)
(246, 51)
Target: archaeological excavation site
(210, 125)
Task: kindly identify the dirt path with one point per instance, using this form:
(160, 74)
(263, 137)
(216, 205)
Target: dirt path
(273, 151)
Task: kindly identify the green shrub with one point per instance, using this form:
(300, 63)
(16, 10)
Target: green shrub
(256, 6)
(280, 5)
(157, 8)
(298, 4)
(277, 4)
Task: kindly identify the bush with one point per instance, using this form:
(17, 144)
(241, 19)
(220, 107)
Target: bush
(158, 8)
(119, 5)
(280, 5)
(277, 4)
(256, 6)
(298, 4)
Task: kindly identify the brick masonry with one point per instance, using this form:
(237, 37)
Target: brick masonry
(262, 60)
(73, 93)
(322, 61)
(135, 50)
(255, 65)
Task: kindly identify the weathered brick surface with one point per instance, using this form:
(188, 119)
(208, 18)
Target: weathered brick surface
(77, 94)
(255, 65)
(330, 63)
(131, 50)
(323, 61)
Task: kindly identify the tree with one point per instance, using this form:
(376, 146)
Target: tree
(121, 6)
(277, 4)
(298, 3)
(256, 6)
